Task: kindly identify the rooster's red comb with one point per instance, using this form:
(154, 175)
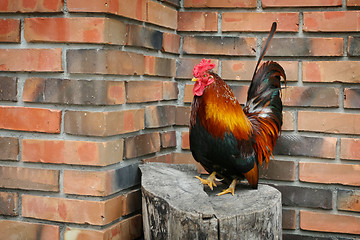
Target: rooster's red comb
(203, 66)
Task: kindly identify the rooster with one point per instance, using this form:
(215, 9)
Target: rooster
(229, 141)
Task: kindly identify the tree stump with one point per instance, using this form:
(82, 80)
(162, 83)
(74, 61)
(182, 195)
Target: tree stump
(175, 206)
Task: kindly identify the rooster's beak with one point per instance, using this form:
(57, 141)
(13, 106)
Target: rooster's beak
(194, 79)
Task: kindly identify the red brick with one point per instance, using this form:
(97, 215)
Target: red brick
(10, 30)
(301, 3)
(348, 200)
(187, 158)
(30, 119)
(9, 148)
(167, 158)
(31, 6)
(144, 91)
(9, 203)
(167, 18)
(170, 90)
(185, 142)
(259, 21)
(288, 121)
(142, 145)
(329, 173)
(352, 98)
(171, 42)
(331, 71)
(303, 47)
(29, 178)
(288, 219)
(31, 60)
(80, 211)
(107, 61)
(198, 21)
(182, 116)
(188, 93)
(168, 139)
(72, 152)
(75, 30)
(240, 93)
(328, 222)
(352, 3)
(159, 116)
(185, 67)
(26, 230)
(216, 45)
(328, 122)
(131, 9)
(160, 66)
(103, 123)
(244, 70)
(126, 229)
(334, 21)
(220, 4)
(311, 96)
(350, 149)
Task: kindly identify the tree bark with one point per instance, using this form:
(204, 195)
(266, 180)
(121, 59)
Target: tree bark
(175, 206)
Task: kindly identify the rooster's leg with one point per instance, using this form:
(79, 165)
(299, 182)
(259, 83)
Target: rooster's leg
(231, 188)
(210, 181)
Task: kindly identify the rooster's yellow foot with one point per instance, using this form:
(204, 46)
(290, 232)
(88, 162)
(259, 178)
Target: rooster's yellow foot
(210, 181)
(231, 188)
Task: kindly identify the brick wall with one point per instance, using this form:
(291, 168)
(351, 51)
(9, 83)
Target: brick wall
(90, 89)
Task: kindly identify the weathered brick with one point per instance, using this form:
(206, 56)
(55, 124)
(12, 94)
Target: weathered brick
(72, 152)
(80, 211)
(352, 3)
(141, 36)
(160, 66)
(26, 230)
(328, 122)
(185, 67)
(329, 173)
(31, 60)
(278, 170)
(132, 9)
(259, 21)
(9, 148)
(187, 158)
(66, 91)
(352, 98)
(129, 228)
(9, 203)
(8, 89)
(354, 46)
(348, 200)
(304, 47)
(104, 183)
(170, 90)
(240, 93)
(159, 116)
(331, 71)
(288, 219)
(328, 222)
(142, 144)
(168, 139)
(290, 236)
(171, 42)
(350, 149)
(75, 30)
(220, 4)
(109, 61)
(295, 196)
(31, 6)
(29, 178)
(288, 121)
(295, 145)
(103, 123)
(166, 158)
(144, 91)
(301, 3)
(244, 70)
(167, 18)
(185, 141)
(30, 119)
(334, 21)
(198, 21)
(311, 96)
(182, 116)
(216, 45)
(10, 30)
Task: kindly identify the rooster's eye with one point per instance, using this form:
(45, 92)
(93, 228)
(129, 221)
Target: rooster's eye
(204, 75)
